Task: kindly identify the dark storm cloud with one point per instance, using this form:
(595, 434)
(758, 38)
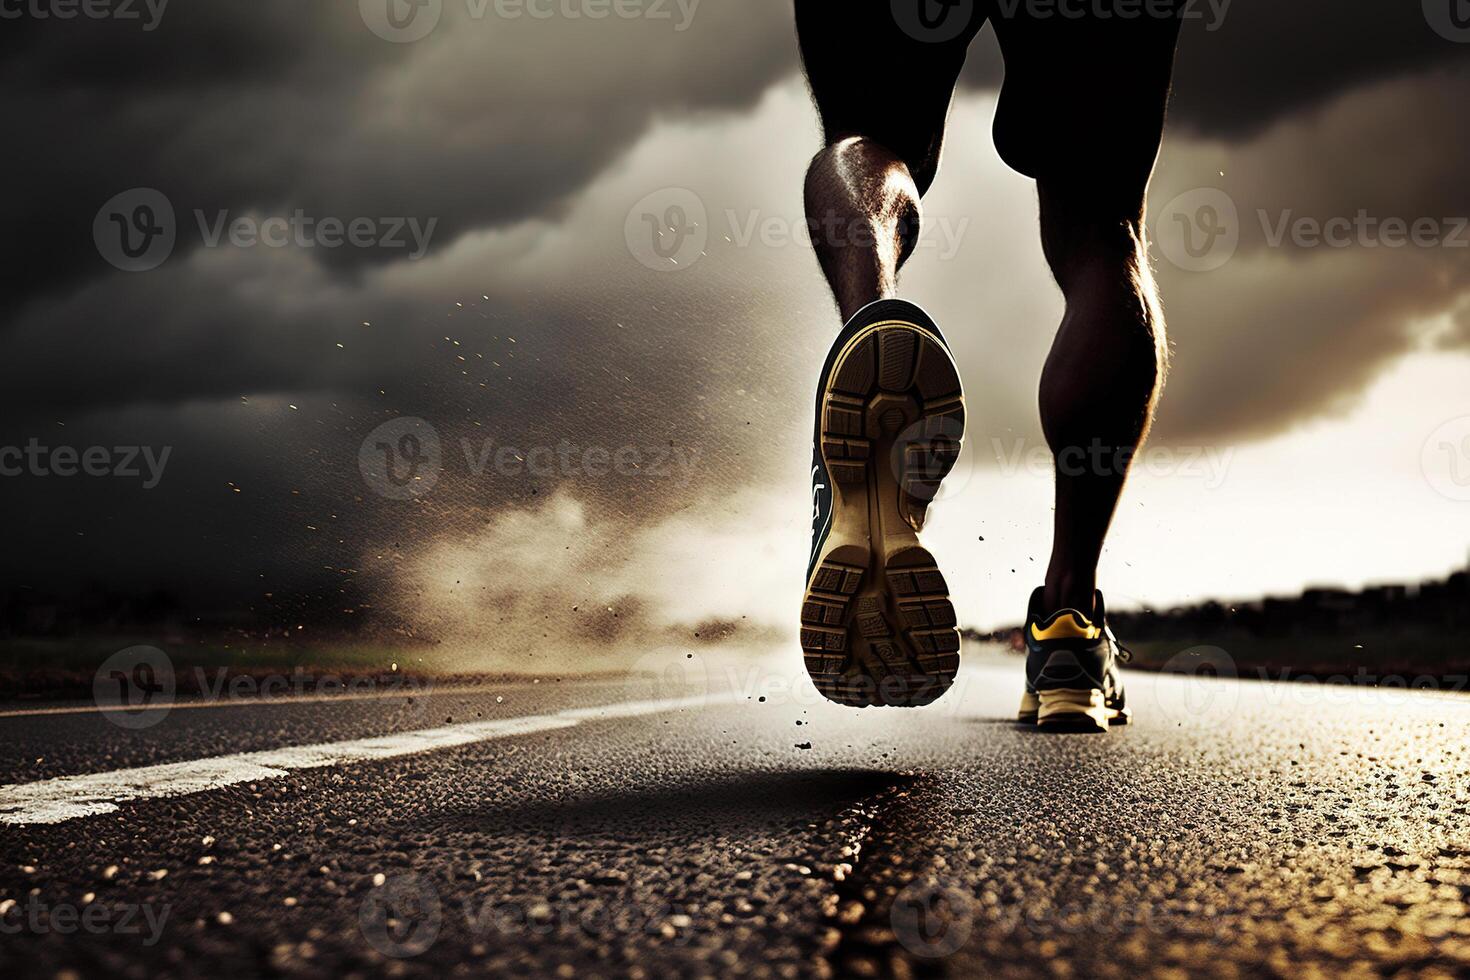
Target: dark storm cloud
(496, 130)
(279, 105)
(1354, 231)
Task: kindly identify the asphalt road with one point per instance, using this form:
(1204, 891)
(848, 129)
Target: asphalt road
(690, 828)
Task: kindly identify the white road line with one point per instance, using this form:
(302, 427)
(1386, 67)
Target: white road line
(426, 689)
(69, 797)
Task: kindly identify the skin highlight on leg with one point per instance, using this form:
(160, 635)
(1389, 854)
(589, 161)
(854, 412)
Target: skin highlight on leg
(862, 207)
(1103, 376)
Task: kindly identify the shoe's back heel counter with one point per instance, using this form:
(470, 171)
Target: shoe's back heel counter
(1068, 668)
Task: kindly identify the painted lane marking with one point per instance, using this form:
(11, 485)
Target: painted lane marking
(68, 797)
(425, 690)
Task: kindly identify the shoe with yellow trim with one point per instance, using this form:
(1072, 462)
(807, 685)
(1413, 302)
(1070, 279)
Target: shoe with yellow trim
(877, 626)
(1072, 681)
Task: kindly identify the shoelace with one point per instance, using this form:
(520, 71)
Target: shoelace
(1124, 654)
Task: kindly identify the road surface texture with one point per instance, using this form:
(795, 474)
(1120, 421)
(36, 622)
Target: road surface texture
(656, 828)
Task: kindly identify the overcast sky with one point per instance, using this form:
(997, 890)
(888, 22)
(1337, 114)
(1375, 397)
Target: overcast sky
(622, 428)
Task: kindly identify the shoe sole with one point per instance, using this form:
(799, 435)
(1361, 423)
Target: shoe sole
(1076, 710)
(877, 625)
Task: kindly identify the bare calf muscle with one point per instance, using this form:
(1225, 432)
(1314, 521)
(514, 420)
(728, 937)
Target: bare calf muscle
(1082, 112)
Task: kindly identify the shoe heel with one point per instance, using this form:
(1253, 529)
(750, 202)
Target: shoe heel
(1081, 710)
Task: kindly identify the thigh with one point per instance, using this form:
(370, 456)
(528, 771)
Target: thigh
(886, 70)
(1085, 92)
